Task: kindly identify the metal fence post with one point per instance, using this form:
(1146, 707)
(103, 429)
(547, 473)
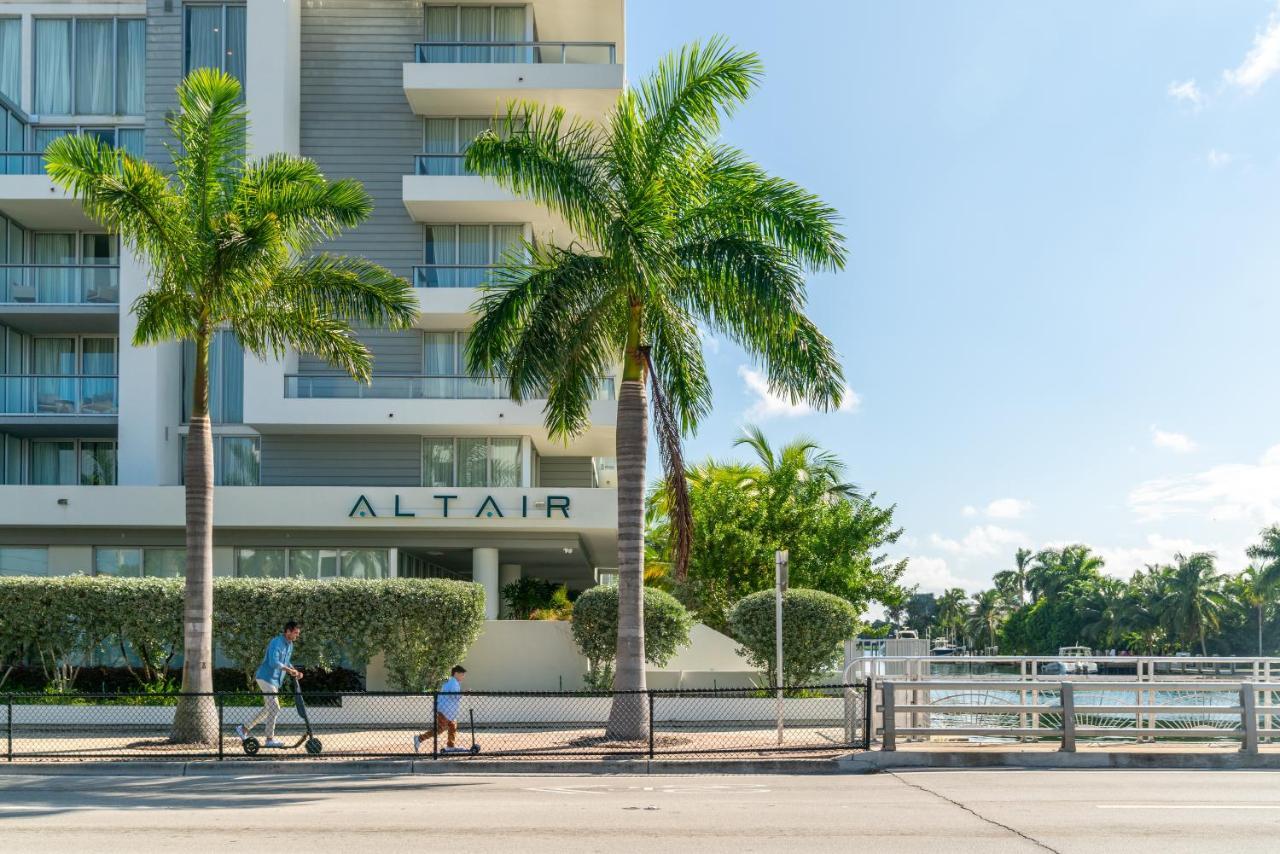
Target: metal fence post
(217, 700)
(9, 726)
(890, 740)
(1249, 719)
(867, 703)
(650, 693)
(1068, 699)
(435, 725)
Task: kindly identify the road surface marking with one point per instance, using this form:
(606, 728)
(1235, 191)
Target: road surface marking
(1188, 806)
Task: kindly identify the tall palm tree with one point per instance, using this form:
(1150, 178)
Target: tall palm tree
(1267, 552)
(1193, 601)
(679, 231)
(1254, 588)
(986, 615)
(1054, 570)
(952, 611)
(1104, 607)
(225, 240)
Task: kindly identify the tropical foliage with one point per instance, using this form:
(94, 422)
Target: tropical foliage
(815, 626)
(678, 232)
(595, 630)
(793, 497)
(229, 243)
(1186, 605)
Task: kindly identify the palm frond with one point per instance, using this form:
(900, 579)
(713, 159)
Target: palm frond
(271, 330)
(668, 433)
(345, 287)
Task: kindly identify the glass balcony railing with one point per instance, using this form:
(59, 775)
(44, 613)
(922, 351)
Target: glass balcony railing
(52, 394)
(60, 284)
(451, 275)
(405, 387)
(440, 164)
(21, 163)
(539, 53)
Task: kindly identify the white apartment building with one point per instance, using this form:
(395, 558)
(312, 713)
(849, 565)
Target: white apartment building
(424, 472)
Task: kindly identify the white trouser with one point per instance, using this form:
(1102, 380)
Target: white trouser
(270, 708)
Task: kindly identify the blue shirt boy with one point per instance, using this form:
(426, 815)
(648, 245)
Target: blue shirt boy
(450, 699)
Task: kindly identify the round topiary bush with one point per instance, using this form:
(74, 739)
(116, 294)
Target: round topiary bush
(815, 626)
(595, 630)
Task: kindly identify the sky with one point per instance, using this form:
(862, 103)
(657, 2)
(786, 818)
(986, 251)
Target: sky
(1059, 319)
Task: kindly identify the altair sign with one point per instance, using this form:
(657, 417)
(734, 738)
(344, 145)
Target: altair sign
(489, 508)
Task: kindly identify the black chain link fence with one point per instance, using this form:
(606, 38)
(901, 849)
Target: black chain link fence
(719, 722)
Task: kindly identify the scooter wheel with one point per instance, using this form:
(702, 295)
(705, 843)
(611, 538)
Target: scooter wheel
(314, 746)
(475, 748)
(250, 746)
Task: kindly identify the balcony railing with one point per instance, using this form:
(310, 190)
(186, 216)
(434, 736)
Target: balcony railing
(60, 284)
(440, 164)
(542, 53)
(451, 275)
(406, 387)
(21, 163)
(52, 394)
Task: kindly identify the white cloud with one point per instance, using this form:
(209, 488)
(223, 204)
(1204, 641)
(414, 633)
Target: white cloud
(1187, 92)
(1232, 491)
(980, 541)
(1218, 159)
(1008, 508)
(969, 510)
(769, 404)
(1262, 61)
(1179, 443)
(935, 574)
(1124, 561)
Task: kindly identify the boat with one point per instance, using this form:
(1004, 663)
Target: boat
(1069, 667)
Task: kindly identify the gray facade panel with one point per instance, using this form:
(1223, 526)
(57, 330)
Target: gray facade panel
(356, 122)
(394, 352)
(163, 73)
(341, 460)
(566, 471)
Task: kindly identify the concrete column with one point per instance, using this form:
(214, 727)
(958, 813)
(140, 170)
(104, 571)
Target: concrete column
(273, 71)
(484, 570)
(507, 574)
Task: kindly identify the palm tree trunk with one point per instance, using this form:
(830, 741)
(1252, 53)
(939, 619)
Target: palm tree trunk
(629, 714)
(195, 720)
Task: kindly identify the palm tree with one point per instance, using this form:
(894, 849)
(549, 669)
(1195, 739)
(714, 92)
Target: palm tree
(1268, 552)
(1105, 607)
(800, 460)
(224, 239)
(1193, 601)
(952, 612)
(1254, 588)
(988, 612)
(680, 232)
(1054, 570)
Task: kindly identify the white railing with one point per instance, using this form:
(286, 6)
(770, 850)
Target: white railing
(1036, 710)
(1053, 667)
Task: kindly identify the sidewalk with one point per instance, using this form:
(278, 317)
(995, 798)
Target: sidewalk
(1115, 754)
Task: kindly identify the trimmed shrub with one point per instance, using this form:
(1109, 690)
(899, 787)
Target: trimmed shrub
(815, 626)
(595, 630)
(423, 626)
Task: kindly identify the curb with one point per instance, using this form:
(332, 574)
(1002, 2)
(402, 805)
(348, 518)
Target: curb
(875, 761)
(239, 767)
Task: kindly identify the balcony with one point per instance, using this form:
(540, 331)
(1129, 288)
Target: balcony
(480, 78)
(441, 190)
(452, 275)
(59, 404)
(404, 387)
(60, 297)
(29, 196)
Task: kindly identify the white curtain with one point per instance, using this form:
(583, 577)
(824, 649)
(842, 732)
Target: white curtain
(441, 138)
(440, 354)
(508, 26)
(442, 26)
(475, 25)
(131, 52)
(437, 462)
(11, 60)
(473, 462)
(53, 66)
(94, 49)
(473, 254)
(468, 130)
(441, 249)
(239, 461)
(204, 37)
(53, 463)
(504, 462)
(54, 285)
(235, 45)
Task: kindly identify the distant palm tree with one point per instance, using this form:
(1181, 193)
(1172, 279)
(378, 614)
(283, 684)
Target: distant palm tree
(1105, 608)
(1193, 601)
(952, 612)
(1267, 551)
(227, 243)
(1255, 588)
(679, 232)
(1012, 583)
(1054, 570)
(986, 615)
(800, 460)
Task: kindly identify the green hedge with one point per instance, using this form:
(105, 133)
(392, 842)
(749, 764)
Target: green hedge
(422, 626)
(815, 626)
(595, 630)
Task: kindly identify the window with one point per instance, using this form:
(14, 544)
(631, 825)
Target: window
(475, 24)
(133, 562)
(445, 140)
(24, 561)
(10, 61)
(89, 66)
(67, 462)
(471, 462)
(215, 38)
(236, 460)
(226, 379)
(317, 564)
(459, 256)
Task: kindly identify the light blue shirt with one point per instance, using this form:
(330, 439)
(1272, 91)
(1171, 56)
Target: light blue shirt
(450, 699)
(278, 656)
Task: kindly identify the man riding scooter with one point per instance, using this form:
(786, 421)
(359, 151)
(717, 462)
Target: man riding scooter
(276, 662)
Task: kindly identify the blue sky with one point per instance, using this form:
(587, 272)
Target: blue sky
(1060, 315)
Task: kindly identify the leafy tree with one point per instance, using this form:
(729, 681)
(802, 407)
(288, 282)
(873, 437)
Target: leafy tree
(1193, 603)
(952, 613)
(595, 630)
(679, 232)
(986, 615)
(1012, 583)
(921, 612)
(227, 243)
(1253, 589)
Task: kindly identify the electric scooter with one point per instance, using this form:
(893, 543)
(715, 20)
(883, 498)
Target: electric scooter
(474, 748)
(251, 745)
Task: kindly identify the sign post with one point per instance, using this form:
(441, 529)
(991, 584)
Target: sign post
(781, 558)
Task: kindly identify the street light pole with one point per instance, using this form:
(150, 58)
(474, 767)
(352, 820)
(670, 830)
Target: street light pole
(781, 559)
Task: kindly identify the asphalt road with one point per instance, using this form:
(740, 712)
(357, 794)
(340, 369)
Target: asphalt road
(939, 812)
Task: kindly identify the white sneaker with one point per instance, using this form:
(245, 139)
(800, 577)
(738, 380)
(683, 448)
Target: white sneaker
(241, 732)
(417, 743)
(274, 742)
